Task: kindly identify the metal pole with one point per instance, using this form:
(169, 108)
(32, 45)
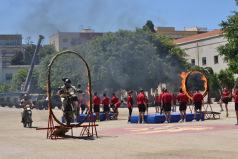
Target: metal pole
(29, 75)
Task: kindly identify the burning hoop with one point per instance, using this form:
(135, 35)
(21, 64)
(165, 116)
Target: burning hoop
(184, 82)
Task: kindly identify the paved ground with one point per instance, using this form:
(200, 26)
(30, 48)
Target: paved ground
(211, 139)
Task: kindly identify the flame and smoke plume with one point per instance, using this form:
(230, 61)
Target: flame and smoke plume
(185, 75)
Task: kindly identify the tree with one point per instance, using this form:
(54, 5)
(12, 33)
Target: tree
(120, 60)
(230, 50)
(25, 57)
(4, 88)
(226, 79)
(18, 79)
(149, 26)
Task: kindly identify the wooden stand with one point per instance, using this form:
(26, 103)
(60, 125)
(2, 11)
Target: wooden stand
(58, 132)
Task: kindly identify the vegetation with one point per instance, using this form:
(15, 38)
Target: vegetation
(122, 60)
(230, 50)
(24, 58)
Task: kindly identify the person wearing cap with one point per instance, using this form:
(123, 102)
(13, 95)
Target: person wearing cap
(25, 103)
(69, 100)
(141, 103)
(167, 103)
(197, 101)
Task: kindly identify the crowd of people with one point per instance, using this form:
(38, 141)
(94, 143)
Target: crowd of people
(163, 102)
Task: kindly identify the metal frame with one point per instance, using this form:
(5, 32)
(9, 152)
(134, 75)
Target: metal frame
(91, 126)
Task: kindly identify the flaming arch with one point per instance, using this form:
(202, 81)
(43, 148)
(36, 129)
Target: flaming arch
(185, 75)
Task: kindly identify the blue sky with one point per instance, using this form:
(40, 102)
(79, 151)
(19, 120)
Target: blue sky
(33, 17)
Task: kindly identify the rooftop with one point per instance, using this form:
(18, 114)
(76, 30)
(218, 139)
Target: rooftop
(197, 37)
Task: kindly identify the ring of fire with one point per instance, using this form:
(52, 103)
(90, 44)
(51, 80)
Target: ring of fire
(185, 77)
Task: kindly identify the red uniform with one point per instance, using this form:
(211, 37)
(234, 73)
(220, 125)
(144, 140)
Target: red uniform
(236, 101)
(141, 101)
(96, 100)
(106, 101)
(157, 99)
(160, 97)
(225, 94)
(118, 104)
(182, 98)
(167, 98)
(114, 100)
(235, 96)
(129, 101)
(197, 97)
(140, 98)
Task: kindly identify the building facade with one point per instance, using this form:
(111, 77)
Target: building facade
(65, 40)
(170, 32)
(201, 49)
(10, 45)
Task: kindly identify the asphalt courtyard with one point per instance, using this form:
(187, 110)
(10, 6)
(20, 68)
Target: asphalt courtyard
(209, 139)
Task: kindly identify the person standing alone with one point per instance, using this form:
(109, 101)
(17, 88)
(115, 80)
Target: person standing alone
(141, 106)
(129, 105)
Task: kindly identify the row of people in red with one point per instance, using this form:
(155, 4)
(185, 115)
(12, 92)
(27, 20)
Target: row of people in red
(163, 102)
(114, 103)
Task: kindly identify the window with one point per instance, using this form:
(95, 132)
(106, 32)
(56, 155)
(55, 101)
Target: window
(204, 61)
(193, 62)
(8, 77)
(216, 59)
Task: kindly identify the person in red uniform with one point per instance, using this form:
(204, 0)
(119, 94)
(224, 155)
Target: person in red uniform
(161, 102)
(129, 104)
(96, 105)
(167, 99)
(235, 96)
(157, 102)
(225, 99)
(105, 103)
(183, 100)
(116, 112)
(114, 100)
(197, 101)
(141, 105)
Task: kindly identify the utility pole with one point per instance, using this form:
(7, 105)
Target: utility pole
(29, 75)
